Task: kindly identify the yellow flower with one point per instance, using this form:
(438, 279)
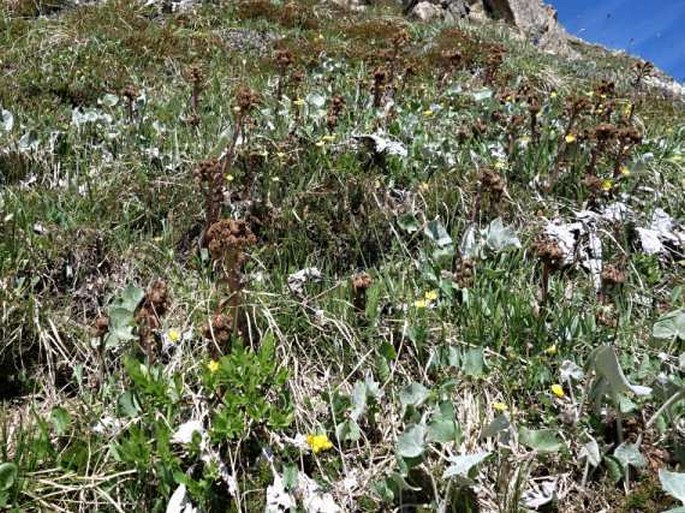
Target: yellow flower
(173, 335)
(553, 95)
(607, 185)
(626, 110)
(229, 177)
(570, 138)
(299, 102)
(321, 143)
(213, 366)
(281, 155)
(551, 350)
(500, 164)
(431, 295)
(275, 179)
(319, 443)
(558, 390)
(420, 303)
(499, 407)
(625, 171)
(328, 138)
(428, 113)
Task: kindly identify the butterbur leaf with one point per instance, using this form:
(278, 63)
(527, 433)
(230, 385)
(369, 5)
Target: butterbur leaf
(6, 120)
(413, 395)
(670, 326)
(462, 464)
(541, 440)
(411, 443)
(438, 234)
(499, 237)
(604, 360)
(359, 400)
(8, 474)
(591, 451)
(673, 483)
(472, 362)
(569, 370)
(628, 454)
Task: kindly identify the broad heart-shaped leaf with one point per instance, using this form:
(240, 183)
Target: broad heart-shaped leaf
(542, 440)
(604, 361)
(8, 474)
(129, 298)
(438, 234)
(629, 454)
(413, 395)
(499, 237)
(673, 483)
(670, 326)
(411, 443)
(359, 396)
(472, 362)
(462, 464)
(591, 450)
(443, 427)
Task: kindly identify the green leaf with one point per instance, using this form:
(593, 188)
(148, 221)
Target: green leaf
(472, 362)
(613, 468)
(8, 475)
(673, 483)
(60, 420)
(462, 464)
(670, 326)
(359, 396)
(438, 234)
(130, 298)
(604, 360)
(592, 452)
(443, 428)
(411, 443)
(413, 395)
(629, 454)
(542, 440)
(408, 223)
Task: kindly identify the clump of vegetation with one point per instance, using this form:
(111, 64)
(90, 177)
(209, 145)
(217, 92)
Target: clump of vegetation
(271, 255)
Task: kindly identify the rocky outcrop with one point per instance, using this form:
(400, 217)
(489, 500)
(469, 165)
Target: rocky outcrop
(536, 21)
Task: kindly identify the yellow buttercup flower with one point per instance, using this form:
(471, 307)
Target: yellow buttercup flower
(499, 407)
(213, 366)
(570, 138)
(173, 335)
(428, 113)
(553, 95)
(551, 350)
(328, 138)
(625, 171)
(558, 390)
(299, 102)
(320, 143)
(431, 295)
(420, 303)
(500, 164)
(229, 177)
(607, 185)
(319, 443)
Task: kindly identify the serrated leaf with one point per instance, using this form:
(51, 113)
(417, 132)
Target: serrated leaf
(673, 483)
(606, 364)
(629, 454)
(411, 443)
(8, 474)
(462, 464)
(541, 440)
(413, 395)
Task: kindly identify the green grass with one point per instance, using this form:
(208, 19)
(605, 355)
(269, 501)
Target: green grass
(98, 195)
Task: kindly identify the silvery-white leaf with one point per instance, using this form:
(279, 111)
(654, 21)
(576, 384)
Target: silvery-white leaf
(184, 433)
(629, 454)
(499, 237)
(316, 100)
(539, 494)
(606, 365)
(462, 464)
(661, 221)
(179, 502)
(6, 120)
(107, 425)
(469, 246)
(591, 451)
(313, 499)
(278, 500)
(297, 280)
(569, 369)
(109, 100)
(673, 483)
(649, 241)
(616, 212)
(28, 142)
(482, 94)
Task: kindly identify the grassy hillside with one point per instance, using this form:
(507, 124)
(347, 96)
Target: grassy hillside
(261, 254)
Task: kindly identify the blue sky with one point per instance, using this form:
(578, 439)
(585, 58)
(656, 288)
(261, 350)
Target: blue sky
(652, 29)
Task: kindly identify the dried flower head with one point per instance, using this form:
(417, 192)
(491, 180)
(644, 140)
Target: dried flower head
(230, 237)
(548, 251)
